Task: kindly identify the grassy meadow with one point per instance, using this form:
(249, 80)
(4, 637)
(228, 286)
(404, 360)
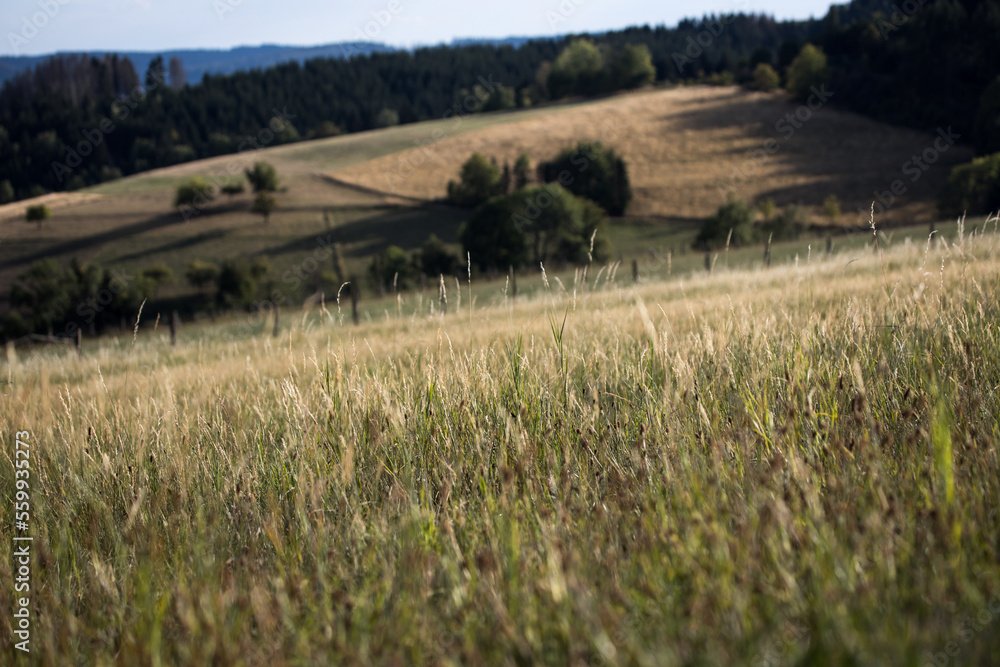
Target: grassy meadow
(785, 466)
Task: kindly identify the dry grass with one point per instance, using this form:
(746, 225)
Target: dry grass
(728, 469)
(679, 144)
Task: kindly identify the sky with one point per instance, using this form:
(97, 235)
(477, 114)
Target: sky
(35, 27)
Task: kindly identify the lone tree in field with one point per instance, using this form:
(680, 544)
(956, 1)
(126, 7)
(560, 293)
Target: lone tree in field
(38, 213)
(264, 203)
(479, 180)
(593, 172)
(263, 177)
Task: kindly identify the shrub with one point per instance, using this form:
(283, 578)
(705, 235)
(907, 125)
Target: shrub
(807, 71)
(735, 215)
(6, 192)
(237, 287)
(435, 259)
(391, 267)
(765, 78)
(233, 189)
(43, 293)
(263, 177)
(785, 226)
(201, 274)
(973, 187)
(387, 118)
(37, 213)
(593, 172)
(479, 180)
(195, 191)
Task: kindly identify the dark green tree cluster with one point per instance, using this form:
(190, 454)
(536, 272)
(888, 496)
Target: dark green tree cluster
(583, 68)
(516, 222)
(592, 171)
(973, 188)
(394, 269)
(50, 300)
(735, 222)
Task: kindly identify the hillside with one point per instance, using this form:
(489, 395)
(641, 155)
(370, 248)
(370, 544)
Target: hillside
(678, 144)
(687, 147)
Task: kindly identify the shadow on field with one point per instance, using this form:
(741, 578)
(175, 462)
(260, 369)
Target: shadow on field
(188, 242)
(407, 227)
(76, 245)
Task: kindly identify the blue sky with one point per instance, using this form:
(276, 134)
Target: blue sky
(31, 27)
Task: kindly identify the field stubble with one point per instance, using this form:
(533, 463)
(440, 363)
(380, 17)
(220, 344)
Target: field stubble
(752, 467)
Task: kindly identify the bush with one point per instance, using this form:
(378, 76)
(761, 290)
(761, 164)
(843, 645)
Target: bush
(765, 79)
(831, 208)
(735, 215)
(37, 213)
(435, 259)
(391, 266)
(479, 180)
(387, 118)
(233, 189)
(201, 274)
(263, 177)
(806, 72)
(237, 287)
(786, 226)
(593, 172)
(42, 292)
(195, 191)
(973, 187)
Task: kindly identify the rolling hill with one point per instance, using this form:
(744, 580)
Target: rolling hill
(384, 187)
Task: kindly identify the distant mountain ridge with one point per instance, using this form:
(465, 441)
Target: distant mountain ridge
(198, 62)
